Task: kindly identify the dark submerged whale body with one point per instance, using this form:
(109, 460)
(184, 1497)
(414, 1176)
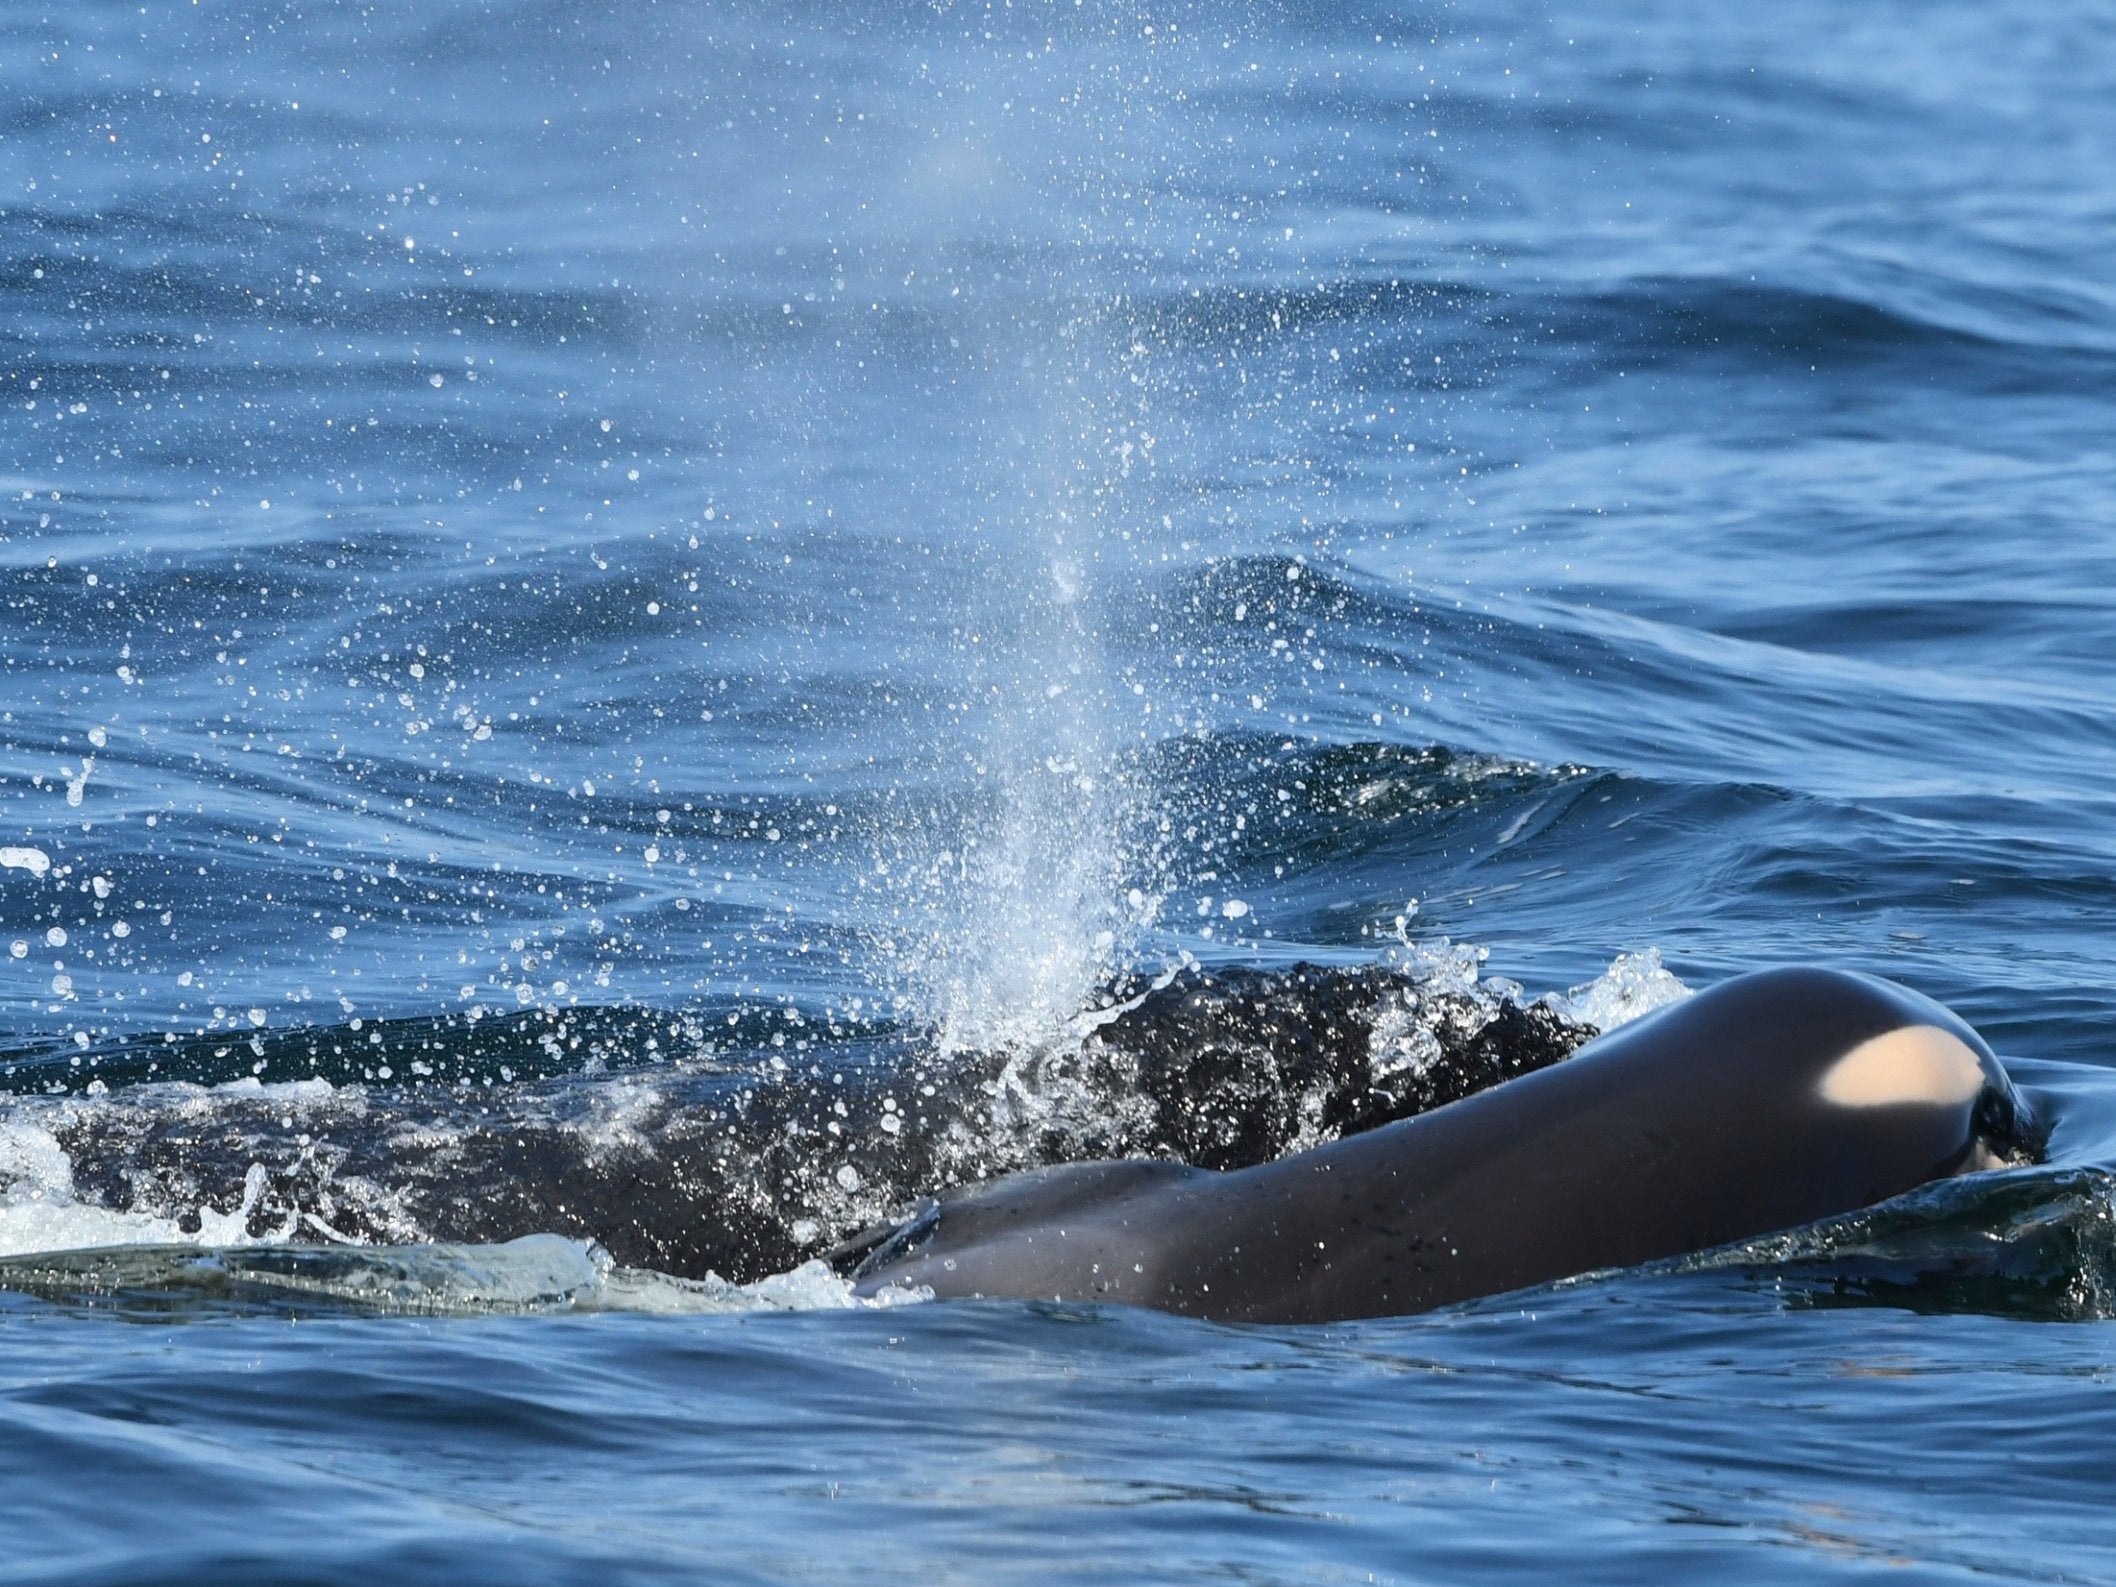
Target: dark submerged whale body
(1774, 1100)
(714, 1156)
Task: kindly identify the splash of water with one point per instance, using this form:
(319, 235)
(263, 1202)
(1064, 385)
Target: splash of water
(1046, 890)
(1634, 985)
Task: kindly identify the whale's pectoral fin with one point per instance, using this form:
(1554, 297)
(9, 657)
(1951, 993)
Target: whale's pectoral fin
(987, 1217)
(882, 1242)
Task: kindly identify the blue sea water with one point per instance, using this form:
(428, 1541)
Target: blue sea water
(560, 561)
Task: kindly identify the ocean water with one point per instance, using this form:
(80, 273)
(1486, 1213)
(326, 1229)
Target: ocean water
(632, 635)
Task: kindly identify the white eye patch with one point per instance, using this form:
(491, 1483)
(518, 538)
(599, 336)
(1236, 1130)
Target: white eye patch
(1919, 1063)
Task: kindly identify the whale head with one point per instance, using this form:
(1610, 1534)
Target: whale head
(1942, 1064)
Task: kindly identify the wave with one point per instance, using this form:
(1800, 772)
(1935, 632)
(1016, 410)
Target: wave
(536, 1273)
(2037, 1244)
(1956, 332)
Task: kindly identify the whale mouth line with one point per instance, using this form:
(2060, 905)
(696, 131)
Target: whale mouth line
(2006, 1132)
(1986, 1156)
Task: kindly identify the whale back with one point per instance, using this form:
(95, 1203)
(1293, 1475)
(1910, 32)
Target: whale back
(1771, 1101)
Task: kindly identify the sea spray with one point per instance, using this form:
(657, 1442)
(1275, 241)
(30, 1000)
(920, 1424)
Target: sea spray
(999, 933)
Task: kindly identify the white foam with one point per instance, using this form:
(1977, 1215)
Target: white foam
(1440, 964)
(31, 1156)
(1634, 985)
(810, 1287)
(41, 1220)
(40, 1210)
(35, 1225)
(536, 1273)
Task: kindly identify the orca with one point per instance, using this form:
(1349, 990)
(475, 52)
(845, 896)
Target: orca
(1772, 1100)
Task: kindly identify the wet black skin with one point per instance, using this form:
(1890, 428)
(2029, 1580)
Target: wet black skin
(1700, 1125)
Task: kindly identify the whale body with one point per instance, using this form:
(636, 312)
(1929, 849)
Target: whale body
(1773, 1100)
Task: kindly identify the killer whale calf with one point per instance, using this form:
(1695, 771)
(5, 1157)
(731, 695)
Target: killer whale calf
(1772, 1100)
